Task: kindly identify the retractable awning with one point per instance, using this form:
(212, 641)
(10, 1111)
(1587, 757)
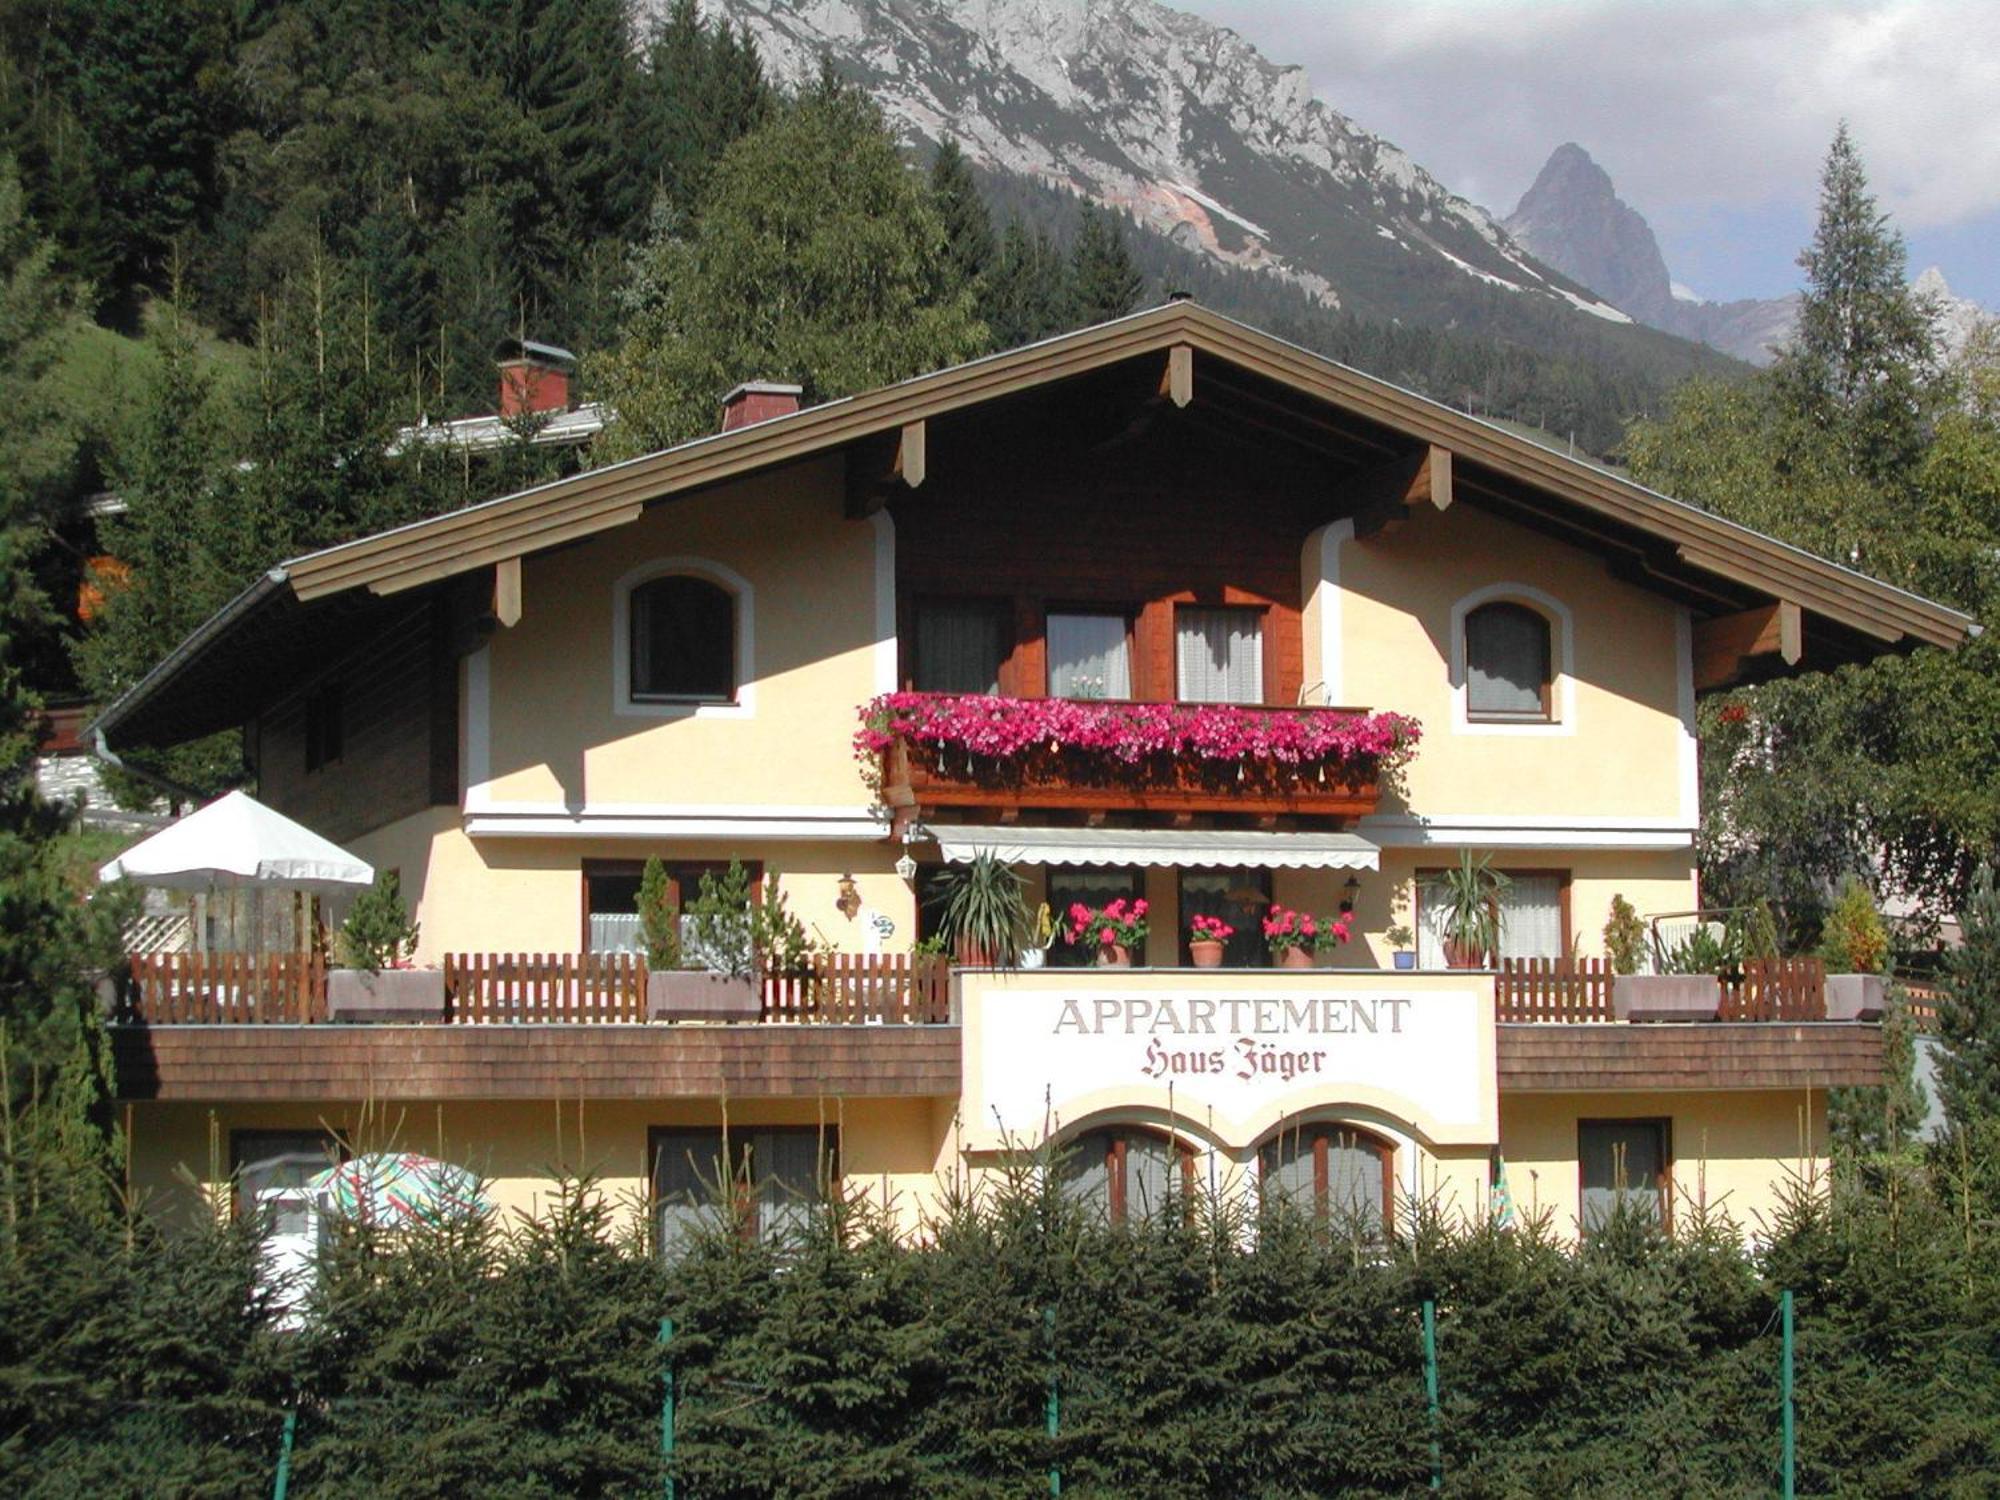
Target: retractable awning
(1157, 846)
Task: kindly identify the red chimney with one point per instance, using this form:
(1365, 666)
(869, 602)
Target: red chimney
(533, 377)
(758, 401)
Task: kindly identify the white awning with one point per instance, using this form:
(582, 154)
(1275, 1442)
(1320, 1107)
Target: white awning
(1157, 846)
(238, 841)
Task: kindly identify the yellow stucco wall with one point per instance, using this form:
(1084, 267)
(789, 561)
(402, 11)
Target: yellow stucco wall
(890, 1149)
(1733, 1151)
(556, 739)
(1617, 750)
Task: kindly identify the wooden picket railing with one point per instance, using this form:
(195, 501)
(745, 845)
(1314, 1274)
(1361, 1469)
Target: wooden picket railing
(1553, 989)
(859, 988)
(223, 989)
(565, 988)
(1776, 989)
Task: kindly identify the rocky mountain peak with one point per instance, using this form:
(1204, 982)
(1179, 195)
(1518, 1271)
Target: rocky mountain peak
(1573, 219)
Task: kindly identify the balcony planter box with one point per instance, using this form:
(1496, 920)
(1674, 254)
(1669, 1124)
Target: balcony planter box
(696, 995)
(948, 750)
(1666, 997)
(1855, 997)
(385, 997)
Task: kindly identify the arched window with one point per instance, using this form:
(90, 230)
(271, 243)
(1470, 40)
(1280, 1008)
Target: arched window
(1338, 1171)
(683, 641)
(1508, 663)
(1127, 1171)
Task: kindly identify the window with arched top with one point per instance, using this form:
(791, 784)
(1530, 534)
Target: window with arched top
(1336, 1171)
(1509, 665)
(1127, 1171)
(683, 640)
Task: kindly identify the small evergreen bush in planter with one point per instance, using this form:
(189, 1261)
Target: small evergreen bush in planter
(378, 933)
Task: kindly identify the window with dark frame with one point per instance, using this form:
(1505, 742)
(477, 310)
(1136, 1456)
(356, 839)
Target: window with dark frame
(326, 725)
(1069, 885)
(683, 646)
(1627, 1161)
(960, 645)
(611, 897)
(777, 1176)
(1344, 1174)
(1508, 664)
(1127, 1171)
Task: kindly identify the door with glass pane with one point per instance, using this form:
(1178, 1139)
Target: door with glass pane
(1623, 1161)
(1241, 898)
(1534, 917)
(775, 1175)
(1219, 654)
(1090, 655)
(1071, 885)
(1333, 1171)
(1126, 1173)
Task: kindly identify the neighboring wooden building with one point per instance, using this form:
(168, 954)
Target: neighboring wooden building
(516, 704)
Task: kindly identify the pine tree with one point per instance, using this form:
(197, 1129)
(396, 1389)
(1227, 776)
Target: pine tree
(968, 229)
(1103, 281)
(1968, 1072)
(814, 258)
(1865, 351)
(1025, 295)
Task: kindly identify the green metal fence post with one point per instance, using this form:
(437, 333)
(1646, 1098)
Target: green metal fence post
(1055, 1399)
(284, 1480)
(667, 1405)
(1431, 1390)
(1789, 1467)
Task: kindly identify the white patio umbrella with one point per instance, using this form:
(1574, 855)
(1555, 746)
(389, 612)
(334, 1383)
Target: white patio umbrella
(238, 841)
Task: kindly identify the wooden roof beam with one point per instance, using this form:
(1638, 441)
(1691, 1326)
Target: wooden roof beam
(1177, 380)
(1726, 646)
(1380, 498)
(507, 592)
(880, 466)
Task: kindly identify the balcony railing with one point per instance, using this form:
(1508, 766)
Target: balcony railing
(940, 750)
(227, 989)
(1562, 989)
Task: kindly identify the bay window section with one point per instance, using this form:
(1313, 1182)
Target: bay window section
(1334, 1172)
(1126, 1173)
(1090, 655)
(1219, 654)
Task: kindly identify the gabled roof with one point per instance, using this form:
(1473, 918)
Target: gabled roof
(1668, 543)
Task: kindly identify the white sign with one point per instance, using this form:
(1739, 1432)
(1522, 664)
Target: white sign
(1232, 1055)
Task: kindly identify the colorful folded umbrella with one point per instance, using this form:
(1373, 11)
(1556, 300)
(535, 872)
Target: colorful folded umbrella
(392, 1188)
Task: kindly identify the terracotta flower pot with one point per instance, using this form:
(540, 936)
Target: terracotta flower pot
(1296, 958)
(1206, 955)
(1114, 956)
(1463, 956)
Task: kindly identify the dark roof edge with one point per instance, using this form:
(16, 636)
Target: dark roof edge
(261, 590)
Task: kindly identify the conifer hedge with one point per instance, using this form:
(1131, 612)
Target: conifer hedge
(1209, 1350)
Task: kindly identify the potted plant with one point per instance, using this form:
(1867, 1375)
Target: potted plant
(1468, 901)
(984, 914)
(1206, 937)
(1041, 937)
(1404, 942)
(712, 959)
(1113, 930)
(1624, 937)
(1296, 937)
(376, 981)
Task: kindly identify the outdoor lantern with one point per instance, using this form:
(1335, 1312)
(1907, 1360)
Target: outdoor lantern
(1350, 893)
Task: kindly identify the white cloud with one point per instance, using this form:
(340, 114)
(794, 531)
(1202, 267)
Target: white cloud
(1693, 107)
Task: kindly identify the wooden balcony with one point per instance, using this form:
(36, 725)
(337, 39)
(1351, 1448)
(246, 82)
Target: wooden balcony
(240, 989)
(917, 779)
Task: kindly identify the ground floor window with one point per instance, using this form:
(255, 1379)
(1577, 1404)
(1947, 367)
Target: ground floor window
(1126, 1171)
(611, 897)
(272, 1167)
(776, 1175)
(1340, 1172)
(1623, 1160)
(1092, 886)
(1534, 917)
(1241, 898)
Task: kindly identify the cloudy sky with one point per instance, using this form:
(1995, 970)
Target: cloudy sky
(1712, 116)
